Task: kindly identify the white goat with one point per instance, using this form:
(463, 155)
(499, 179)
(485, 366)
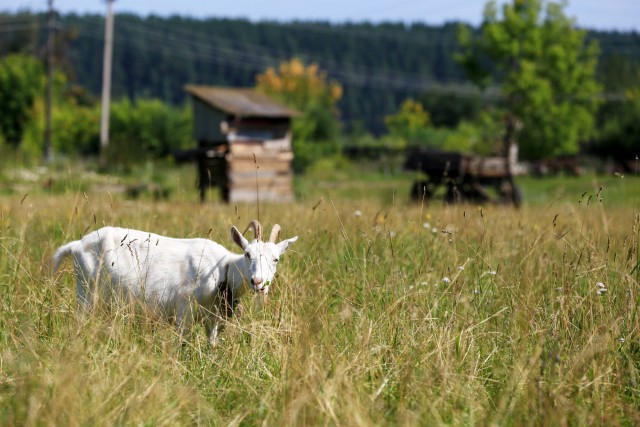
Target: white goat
(170, 274)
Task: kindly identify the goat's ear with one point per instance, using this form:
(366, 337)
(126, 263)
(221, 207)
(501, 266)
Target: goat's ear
(282, 246)
(238, 238)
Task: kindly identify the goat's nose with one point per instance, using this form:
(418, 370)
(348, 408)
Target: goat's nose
(257, 280)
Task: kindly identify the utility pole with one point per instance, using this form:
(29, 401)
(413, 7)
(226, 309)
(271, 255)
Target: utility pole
(106, 84)
(48, 103)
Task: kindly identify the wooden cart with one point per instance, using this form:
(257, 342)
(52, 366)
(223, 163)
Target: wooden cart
(467, 178)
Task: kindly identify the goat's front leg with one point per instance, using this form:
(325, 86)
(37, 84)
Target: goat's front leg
(213, 326)
(215, 321)
(184, 318)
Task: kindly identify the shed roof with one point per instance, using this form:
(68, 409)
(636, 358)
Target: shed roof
(240, 101)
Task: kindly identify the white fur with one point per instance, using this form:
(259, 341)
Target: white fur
(170, 274)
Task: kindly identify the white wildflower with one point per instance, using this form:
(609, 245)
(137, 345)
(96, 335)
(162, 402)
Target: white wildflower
(602, 291)
(461, 267)
(426, 225)
(357, 213)
(600, 285)
(434, 230)
(446, 280)
(622, 340)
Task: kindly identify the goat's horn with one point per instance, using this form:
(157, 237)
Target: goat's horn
(256, 227)
(275, 232)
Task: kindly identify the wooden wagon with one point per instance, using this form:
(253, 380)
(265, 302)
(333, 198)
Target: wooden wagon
(465, 177)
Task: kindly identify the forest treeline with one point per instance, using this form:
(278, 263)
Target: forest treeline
(377, 65)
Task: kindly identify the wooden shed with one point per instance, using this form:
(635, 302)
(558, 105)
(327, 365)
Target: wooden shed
(244, 140)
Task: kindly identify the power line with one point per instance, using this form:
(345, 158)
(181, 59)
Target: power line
(354, 74)
(197, 45)
(18, 28)
(339, 29)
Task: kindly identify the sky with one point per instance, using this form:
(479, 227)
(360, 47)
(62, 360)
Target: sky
(621, 15)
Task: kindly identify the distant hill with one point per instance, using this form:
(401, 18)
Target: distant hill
(379, 65)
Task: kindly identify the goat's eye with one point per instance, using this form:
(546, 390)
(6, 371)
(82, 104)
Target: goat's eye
(275, 260)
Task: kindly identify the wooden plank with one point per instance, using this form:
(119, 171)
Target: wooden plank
(281, 166)
(283, 144)
(280, 144)
(273, 181)
(261, 157)
(258, 148)
(488, 167)
(283, 191)
(261, 174)
(236, 195)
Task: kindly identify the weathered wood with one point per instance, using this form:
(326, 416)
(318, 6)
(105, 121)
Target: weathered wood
(465, 176)
(261, 156)
(268, 145)
(236, 180)
(261, 174)
(490, 167)
(245, 139)
(270, 195)
(279, 166)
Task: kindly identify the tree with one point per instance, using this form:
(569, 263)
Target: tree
(21, 83)
(546, 72)
(306, 89)
(147, 129)
(20, 33)
(620, 133)
(449, 109)
(410, 123)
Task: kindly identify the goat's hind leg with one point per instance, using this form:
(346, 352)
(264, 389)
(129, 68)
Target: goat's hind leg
(83, 294)
(87, 276)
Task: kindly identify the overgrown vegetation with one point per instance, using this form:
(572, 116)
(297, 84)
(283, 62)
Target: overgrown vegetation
(385, 313)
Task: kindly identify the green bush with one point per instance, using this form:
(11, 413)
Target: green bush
(21, 81)
(77, 130)
(620, 132)
(309, 152)
(146, 129)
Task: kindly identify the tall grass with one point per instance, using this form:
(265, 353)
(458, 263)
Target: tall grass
(383, 313)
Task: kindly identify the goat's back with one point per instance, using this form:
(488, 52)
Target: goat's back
(147, 264)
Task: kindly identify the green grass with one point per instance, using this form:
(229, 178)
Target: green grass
(371, 321)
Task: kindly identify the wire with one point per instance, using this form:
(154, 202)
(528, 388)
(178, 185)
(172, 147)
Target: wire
(247, 56)
(355, 74)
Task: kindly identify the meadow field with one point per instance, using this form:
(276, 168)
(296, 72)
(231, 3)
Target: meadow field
(384, 312)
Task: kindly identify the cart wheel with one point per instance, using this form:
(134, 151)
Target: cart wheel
(453, 193)
(511, 192)
(224, 193)
(420, 190)
(516, 196)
